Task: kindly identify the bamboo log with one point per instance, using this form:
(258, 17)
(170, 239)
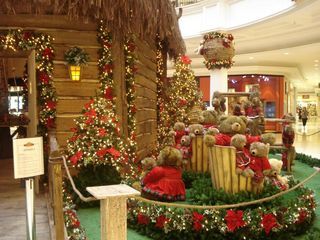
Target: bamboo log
(199, 142)
(205, 157)
(222, 162)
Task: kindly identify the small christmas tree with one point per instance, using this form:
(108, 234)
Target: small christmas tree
(180, 95)
(97, 140)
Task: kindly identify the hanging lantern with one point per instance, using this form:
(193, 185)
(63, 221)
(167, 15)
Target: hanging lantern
(75, 72)
(75, 58)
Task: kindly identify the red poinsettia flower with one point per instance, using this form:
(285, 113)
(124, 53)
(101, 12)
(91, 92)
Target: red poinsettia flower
(76, 157)
(226, 44)
(302, 216)
(47, 52)
(115, 153)
(108, 93)
(91, 113)
(88, 104)
(185, 59)
(76, 223)
(143, 219)
(131, 46)
(108, 68)
(269, 222)
(183, 102)
(73, 129)
(133, 109)
(102, 152)
(26, 35)
(107, 44)
(44, 78)
(51, 104)
(160, 221)
(197, 221)
(101, 132)
(234, 219)
(73, 138)
(89, 121)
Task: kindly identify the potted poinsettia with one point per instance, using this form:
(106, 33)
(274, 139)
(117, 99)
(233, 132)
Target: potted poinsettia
(76, 57)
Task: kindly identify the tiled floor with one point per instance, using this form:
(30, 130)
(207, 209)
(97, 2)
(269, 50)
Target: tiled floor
(12, 207)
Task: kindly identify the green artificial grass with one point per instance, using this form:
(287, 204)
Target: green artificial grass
(90, 217)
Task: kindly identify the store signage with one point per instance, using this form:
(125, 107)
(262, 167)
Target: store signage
(28, 157)
(305, 96)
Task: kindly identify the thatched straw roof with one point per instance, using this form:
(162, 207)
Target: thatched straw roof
(145, 18)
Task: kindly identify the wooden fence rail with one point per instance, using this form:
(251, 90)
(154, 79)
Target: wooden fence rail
(55, 193)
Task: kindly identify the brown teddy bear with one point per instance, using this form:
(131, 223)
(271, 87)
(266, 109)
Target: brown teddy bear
(259, 161)
(164, 182)
(253, 105)
(288, 136)
(275, 175)
(209, 118)
(219, 102)
(185, 149)
(179, 130)
(231, 125)
(239, 141)
(147, 164)
(195, 129)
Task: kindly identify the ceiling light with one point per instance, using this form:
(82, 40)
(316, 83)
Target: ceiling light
(286, 53)
(316, 60)
(251, 58)
(316, 65)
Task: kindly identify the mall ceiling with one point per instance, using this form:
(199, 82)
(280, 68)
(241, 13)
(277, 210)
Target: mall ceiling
(286, 44)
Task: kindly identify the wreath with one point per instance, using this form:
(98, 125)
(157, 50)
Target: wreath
(76, 56)
(217, 50)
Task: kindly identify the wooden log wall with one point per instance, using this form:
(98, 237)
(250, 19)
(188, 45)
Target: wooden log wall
(73, 95)
(146, 98)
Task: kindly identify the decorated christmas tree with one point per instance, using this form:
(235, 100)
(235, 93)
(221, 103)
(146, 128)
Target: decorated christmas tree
(179, 94)
(97, 140)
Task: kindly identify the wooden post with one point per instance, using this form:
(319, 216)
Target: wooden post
(113, 209)
(55, 165)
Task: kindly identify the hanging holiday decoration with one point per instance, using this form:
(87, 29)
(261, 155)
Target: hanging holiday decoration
(76, 57)
(20, 40)
(217, 49)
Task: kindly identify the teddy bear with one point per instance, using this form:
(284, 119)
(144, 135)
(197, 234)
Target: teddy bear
(195, 129)
(237, 110)
(253, 105)
(164, 182)
(219, 102)
(147, 164)
(179, 130)
(288, 136)
(259, 161)
(275, 175)
(185, 149)
(209, 118)
(239, 141)
(231, 125)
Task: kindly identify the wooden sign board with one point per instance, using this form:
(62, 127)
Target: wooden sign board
(28, 157)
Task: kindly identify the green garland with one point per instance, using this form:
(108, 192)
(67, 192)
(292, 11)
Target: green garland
(265, 221)
(22, 40)
(130, 59)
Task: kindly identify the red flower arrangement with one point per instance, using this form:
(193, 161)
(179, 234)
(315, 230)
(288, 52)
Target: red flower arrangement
(269, 221)
(143, 219)
(160, 221)
(234, 219)
(197, 221)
